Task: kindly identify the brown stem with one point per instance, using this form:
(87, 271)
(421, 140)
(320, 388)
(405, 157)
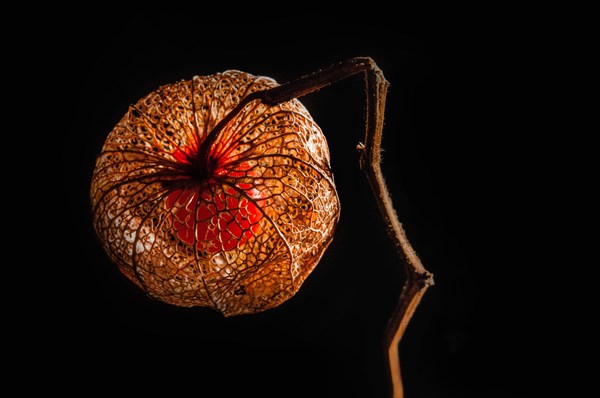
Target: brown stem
(418, 279)
(201, 162)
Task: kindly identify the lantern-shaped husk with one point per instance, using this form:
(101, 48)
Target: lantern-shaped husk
(241, 237)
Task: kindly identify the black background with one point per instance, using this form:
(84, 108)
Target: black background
(454, 150)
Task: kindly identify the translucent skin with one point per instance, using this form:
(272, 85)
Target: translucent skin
(240, 239)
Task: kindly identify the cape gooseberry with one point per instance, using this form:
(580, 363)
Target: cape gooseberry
(200, 209)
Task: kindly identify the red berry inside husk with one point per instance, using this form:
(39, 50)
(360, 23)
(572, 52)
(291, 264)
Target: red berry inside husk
(236, 225)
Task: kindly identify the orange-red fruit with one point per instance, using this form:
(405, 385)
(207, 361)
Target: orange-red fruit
(243, 237)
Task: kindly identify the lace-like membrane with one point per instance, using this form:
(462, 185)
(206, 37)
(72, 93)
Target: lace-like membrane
(241, 240)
